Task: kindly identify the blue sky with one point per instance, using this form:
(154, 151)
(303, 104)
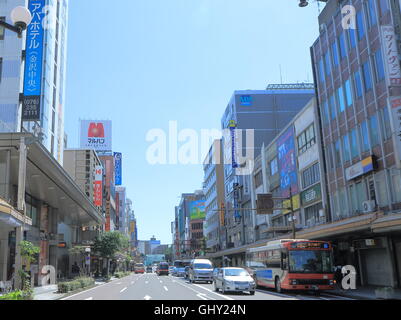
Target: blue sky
(142, 63)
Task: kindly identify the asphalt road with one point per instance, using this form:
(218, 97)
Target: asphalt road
(152, 287)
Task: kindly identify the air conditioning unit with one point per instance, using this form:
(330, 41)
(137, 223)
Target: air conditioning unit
(368, 206)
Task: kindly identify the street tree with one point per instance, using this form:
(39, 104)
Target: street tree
(108, 244)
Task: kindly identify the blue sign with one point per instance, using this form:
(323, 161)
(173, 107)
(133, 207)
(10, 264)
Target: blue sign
(33, 62)
(118, 168)
(264, 274)
(246, 100)
(233, 149)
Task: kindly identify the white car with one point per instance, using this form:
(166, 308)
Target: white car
(235, 280)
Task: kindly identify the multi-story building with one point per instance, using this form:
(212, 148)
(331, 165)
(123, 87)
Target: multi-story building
(265, 113)
(110, 193)
(358, 84)
(122, 216)
(214, 196)
(33, 71)
(81, 165)
(292, 167)
(190, 215)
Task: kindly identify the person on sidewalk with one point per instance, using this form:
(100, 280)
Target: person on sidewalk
(338, 276)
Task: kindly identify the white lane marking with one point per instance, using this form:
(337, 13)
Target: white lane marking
(132, 282)
(217, 294)
(91, 298)
(338, 297)
(181, 284)
(165, 288)
(147, 297)
(201, 296)
(119, 283)
(275, 294)
(146, 282)
(161, 281)
(122, 290)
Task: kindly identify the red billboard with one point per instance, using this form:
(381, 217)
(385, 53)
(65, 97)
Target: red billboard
(98, 187)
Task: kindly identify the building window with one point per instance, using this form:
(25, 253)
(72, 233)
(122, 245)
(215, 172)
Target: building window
(325, 112)
(321, 71)
(312, 215)
(2, 30)
(386, 123)
(396, 188)
(334, 53)
(1, 68)
(379, 66)
(306, 139)
(258, 179)
(332, 106)
(351, 38)
(381, 189)
(354, 144)
(364, 136)
(329, 156)
(367, 78)
(372, 13)
(343, 52)
(327, 63)
(348, 93)
(346, 149)
(359, 25)
(374, 131)
(311, 176)
(358, 84)
(273, 167)
(383, 6)
(337, 153)
(340, 99)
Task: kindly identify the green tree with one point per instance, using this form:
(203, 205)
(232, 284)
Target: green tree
(108, 244)
(79, 250)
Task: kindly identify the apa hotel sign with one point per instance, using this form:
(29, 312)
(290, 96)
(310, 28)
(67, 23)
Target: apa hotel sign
(96, 135)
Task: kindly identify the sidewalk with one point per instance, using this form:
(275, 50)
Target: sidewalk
(364, 293)
(50, 292)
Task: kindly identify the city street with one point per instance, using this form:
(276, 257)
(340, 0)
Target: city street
(152, 287)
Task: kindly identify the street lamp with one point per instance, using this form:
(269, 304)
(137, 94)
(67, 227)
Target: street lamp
(21, 17)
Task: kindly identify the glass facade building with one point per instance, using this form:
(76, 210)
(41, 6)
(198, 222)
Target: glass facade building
(53, 74)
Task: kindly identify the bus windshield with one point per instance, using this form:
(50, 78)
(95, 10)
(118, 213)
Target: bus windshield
(310, 261)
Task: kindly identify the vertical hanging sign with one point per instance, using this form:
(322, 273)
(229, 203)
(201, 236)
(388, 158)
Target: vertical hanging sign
(118, 168)
(395, 105)
(233, 126)
(33, 62)
(98, 187)
(391, 60)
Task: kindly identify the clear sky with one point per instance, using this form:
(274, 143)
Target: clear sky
(142, 63)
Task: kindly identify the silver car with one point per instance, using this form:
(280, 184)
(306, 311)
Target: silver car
(235, 280)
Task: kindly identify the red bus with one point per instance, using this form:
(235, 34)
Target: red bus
(292, 265)
(139, 268)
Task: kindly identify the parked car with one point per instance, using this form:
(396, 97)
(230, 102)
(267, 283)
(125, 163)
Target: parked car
(200, 270)
(235, 280)
(149, 269)
(162, 269)
(139, 268)
(170, 269)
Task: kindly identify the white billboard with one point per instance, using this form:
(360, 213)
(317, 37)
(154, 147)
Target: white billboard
(96, 134)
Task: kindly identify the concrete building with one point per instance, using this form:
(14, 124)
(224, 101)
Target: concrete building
(49, 209)
(190, 215)
(110, 193)
(80, 165)
(213, 169)
(38, 83)
(358, 77)
(265, 113)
